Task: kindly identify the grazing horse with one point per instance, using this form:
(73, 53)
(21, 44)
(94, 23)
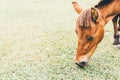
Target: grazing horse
(90, 27)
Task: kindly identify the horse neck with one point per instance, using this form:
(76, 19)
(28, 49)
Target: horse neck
(109, 11)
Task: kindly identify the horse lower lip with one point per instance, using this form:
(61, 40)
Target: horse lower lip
(81, 66)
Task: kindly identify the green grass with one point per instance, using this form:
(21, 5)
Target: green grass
(38, 42)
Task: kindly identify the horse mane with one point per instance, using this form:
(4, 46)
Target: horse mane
(84, 19)
(103, 3)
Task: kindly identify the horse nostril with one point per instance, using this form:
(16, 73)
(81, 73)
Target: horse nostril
(82, 64)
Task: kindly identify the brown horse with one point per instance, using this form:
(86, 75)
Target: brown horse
(90, 27)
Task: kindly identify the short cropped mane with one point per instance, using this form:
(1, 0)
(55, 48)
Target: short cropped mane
(103, 3)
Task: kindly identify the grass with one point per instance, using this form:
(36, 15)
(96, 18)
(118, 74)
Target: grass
(38, 42)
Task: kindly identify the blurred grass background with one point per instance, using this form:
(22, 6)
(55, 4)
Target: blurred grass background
(38, 42)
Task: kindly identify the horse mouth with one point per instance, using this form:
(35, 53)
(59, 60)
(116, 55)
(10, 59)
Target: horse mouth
(82, 64)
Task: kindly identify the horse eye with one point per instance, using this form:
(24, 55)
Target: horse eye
(90, 38)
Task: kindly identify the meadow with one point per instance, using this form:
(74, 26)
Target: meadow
(38, 42)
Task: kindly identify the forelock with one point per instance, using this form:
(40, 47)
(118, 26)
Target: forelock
(84, 19)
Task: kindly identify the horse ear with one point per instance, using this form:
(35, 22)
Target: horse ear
(77, 7)
(94, 14)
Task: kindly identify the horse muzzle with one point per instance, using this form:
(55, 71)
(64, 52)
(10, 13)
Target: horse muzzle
(82, 64)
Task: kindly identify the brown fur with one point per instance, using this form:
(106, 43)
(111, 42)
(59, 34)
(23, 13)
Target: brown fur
(90, 24)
